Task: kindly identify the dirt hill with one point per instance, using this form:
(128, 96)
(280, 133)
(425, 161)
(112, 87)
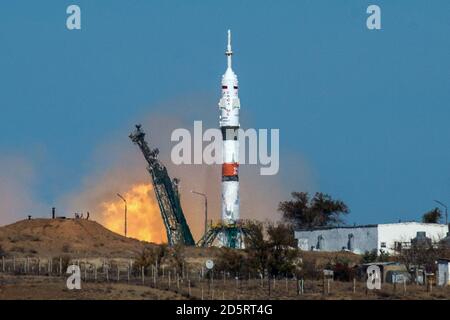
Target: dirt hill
(74, 237)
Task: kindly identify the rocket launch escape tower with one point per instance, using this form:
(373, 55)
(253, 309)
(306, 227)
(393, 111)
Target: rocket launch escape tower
(166, 191)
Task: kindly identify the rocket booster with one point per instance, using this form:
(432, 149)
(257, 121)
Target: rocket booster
(229, 106)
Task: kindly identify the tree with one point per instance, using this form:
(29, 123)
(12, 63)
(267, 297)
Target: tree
(257, 247)
(432, 216)
(231, 261)
(276, 254)
(305, 213)
(283, 252)
(422, 256)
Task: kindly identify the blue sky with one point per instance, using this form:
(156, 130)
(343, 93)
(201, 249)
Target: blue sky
(368, 111)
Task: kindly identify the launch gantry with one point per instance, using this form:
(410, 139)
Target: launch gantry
(166, 191)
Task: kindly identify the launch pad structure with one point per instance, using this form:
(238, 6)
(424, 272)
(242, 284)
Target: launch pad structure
(230, 231)
(230, 235)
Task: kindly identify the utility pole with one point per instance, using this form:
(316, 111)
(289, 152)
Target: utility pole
(206, 207)
(446, 210)
(125, 202)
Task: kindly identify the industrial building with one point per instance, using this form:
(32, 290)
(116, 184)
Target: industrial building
(359, 239)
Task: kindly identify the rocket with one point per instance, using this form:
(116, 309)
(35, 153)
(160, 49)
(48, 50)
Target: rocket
(229, 106)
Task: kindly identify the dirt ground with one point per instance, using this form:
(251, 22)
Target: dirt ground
(13, 287)
(52, 288)
(313, 290)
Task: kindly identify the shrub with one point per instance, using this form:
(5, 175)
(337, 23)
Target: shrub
(231, 261)
(149, 257)
(343, 272)
(66, 248)
(65, 262)
(369, 256)
(309, 270)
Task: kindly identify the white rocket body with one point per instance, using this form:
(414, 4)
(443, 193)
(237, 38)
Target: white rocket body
(229, 106)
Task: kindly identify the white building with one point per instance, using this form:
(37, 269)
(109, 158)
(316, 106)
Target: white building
(360, 239)
(443, 272)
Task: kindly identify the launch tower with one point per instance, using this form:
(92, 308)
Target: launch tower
(166, 191)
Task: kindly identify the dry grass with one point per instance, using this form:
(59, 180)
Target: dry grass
(77, 238)
(53, 288)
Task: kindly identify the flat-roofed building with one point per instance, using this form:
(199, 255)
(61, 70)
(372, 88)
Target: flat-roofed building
(360, 239)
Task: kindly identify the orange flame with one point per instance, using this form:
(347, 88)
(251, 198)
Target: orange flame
(144, 220)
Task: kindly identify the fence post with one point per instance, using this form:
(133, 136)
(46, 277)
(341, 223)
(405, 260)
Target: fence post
(287, 287)
(39, 266)
(128, 273)
(169, 279)
(60, 266)
(118, 273)
(354, 285)
(154, 275)
(95, 273)
(14, 263)
(189, 286)
(107, 273)
(404, 287)
(142, 274)
(182, 270)
(302, 287)
(130, 269)
(323, 285)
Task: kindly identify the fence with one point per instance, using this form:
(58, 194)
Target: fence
(197, 283)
